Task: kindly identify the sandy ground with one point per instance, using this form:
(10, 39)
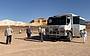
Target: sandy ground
(21, 47)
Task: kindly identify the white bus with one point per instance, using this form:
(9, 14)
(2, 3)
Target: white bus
(67, 25)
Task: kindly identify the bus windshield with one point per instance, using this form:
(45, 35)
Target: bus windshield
(62, 20)
(57, 20)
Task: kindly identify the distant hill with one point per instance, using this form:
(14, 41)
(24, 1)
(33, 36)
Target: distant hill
(7, 22)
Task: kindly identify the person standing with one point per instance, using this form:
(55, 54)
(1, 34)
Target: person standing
(28, 31)
(8, 34)
(84, 35)
(41, 33)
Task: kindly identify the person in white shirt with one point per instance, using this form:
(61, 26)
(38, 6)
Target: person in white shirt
(41, 33)
(84, 35)
(8, 34)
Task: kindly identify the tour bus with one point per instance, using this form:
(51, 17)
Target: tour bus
(67, 25)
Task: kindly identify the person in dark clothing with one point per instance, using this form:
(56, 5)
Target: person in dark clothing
(8, 40)
(8, 34)
(28, 31)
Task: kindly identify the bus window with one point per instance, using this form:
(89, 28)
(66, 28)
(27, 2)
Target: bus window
(82, 22)
(68, 21)
(76, 20)
(57, 20)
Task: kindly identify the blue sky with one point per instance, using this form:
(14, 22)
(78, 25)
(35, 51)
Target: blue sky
(26, 10)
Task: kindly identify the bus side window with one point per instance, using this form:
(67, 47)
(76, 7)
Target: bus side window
(68, 21)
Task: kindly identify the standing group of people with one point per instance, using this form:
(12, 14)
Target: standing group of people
(9, 31)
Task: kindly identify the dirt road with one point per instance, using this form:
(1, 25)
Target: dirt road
(21, 47)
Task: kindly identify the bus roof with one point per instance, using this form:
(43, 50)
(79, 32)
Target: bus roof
(74, 15)
(70, 14)
(82, 18)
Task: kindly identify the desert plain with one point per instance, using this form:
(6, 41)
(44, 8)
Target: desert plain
(33, 47)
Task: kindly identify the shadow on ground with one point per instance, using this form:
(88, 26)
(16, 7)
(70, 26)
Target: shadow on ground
(76, 42)
(2, 43)
(51, 39)
(38, 39)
